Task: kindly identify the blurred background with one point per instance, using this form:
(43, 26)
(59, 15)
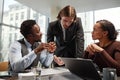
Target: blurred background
(14, 12)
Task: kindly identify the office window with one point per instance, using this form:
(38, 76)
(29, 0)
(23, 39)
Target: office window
(1, 8)
(17, 16)
(22, 15)
(34, 15)
(13, 15)
(89, 18)
(87, 22)
(7, 37)
(112, 14)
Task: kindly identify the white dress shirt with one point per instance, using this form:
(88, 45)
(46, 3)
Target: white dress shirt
(63, 29)
(19, 63)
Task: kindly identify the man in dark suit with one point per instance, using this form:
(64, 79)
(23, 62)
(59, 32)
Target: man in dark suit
(68, 34)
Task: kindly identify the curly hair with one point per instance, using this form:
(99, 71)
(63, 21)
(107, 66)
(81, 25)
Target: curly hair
(26, 27)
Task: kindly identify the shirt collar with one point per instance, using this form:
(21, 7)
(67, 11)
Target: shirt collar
(27, 43)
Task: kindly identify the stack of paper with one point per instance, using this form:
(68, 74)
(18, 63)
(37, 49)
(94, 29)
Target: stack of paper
(26, 76)
(52, 71)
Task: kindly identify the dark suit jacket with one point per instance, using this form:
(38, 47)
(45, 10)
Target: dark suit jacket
(73, 46)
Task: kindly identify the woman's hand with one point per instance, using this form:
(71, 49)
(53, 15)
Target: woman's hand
(92, 48)
(96, 48)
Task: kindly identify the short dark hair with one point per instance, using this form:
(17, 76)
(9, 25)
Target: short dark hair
(67, 11)
(108, 26)
(26, 27)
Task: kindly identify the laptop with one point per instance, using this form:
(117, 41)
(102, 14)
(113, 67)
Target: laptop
(84, 68)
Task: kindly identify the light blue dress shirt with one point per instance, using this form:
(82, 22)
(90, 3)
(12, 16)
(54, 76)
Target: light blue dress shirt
(19, 63)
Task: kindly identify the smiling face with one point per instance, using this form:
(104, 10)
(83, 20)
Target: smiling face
(35, 33)
(98, 33)
(66, 21)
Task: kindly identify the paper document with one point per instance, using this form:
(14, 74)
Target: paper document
(51, 71)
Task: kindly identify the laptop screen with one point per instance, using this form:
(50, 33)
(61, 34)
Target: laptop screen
(83, 68)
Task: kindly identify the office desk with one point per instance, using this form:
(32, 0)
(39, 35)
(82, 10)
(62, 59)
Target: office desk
(53, 74)
(58, 74)
(62, 76)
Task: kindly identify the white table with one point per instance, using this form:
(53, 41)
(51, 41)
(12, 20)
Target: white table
(59, 73)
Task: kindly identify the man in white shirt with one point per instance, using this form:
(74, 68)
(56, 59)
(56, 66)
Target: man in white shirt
(22, 56)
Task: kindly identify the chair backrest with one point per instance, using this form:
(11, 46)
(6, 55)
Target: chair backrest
(4, 66)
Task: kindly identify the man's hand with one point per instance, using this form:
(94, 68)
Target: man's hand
(58, 60)
(41, 47)
(51, 47)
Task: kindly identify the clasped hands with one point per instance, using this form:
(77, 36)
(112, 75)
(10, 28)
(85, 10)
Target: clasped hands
(92, 48)
(51, 47)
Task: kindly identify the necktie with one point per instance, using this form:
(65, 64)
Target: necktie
(66, 34)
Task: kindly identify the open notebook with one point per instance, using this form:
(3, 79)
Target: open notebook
(83, 68)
